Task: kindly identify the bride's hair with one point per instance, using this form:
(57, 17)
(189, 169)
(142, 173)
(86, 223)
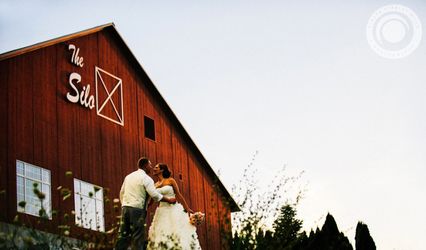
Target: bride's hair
(166, 172)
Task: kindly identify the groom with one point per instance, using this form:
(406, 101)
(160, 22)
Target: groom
(133, 197)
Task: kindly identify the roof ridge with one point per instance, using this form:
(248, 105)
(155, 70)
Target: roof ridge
(53, 41)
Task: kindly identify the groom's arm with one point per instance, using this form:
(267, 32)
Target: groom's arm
(152, 191)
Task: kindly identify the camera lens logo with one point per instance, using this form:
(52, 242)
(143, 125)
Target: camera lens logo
(394, 31)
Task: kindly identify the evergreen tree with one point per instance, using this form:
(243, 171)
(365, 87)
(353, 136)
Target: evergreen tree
(328, 238)
(264, 240)
(286, 228)
(363, 240)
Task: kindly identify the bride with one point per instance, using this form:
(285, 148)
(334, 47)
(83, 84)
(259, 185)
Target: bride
(170, 227)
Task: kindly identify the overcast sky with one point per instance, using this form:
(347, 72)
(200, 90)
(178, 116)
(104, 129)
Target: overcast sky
(295, 80)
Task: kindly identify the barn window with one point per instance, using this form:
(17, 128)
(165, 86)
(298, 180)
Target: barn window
(33, 190)
(89, 205)
(149, 128)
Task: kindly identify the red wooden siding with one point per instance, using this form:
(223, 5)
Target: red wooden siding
(180, 163)
(44, 109)
(110, 132)
(4, 69)
(130, 132)
(212, 215)
(40, 126)
(20, 118)
(164, 145)
(69, 132)
(44, 114)
(197, 196)
(224, 222)
(90, 142)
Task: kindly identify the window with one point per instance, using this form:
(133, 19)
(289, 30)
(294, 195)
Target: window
(33, 190)
(89, 205)
(149, 128)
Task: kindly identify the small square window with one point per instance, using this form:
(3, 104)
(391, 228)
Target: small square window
(149, 128)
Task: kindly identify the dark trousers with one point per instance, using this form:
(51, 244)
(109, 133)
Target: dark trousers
(132, 229)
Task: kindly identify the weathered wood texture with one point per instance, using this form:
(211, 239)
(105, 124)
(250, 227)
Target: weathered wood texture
(4, 69)
(40, 126)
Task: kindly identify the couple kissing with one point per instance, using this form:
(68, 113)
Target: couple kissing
(170, 226)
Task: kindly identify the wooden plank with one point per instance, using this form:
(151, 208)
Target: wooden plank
(24, 107)
(4, 192)
(197, 196)
(225, 224)
(140, 109)
(45, 120)
(165, 145)
(155, 112)
(11, 158)
(177, 161)
(110, 132)
(69, 133)
(130, 132)
(90, 143)
(44, 90)
(212, 215)
(20, 114)
(159, 138)
(186, 188)
(180, 162)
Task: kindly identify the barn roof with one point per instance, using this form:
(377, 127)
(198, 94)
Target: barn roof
(150, 85)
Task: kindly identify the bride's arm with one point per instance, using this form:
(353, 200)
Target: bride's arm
(180, 196)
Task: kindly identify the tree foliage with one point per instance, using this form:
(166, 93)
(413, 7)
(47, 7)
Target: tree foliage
(286, 228)
(363, 239)
(252, 225)
(251, 230)
(327, 238)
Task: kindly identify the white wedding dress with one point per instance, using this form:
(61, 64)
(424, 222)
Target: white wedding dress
(170, 227)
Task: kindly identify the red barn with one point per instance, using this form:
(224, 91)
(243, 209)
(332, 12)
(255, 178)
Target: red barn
(83, 103)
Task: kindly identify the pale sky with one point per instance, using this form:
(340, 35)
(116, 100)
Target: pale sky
(295, 80)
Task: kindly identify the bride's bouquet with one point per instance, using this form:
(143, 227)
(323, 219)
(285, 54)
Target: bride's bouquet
(196, 218)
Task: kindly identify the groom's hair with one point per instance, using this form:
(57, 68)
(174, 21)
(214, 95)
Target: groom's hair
(143, 161)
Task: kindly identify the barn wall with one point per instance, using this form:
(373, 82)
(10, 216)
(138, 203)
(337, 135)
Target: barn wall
(40, 126)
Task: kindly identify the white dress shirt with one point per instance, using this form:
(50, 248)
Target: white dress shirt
(135, 187)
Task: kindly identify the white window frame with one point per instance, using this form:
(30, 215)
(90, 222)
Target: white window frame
(94, 217)
(27, 193)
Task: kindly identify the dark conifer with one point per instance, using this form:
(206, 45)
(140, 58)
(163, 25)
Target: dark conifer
(363, 239)
(286, 228)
